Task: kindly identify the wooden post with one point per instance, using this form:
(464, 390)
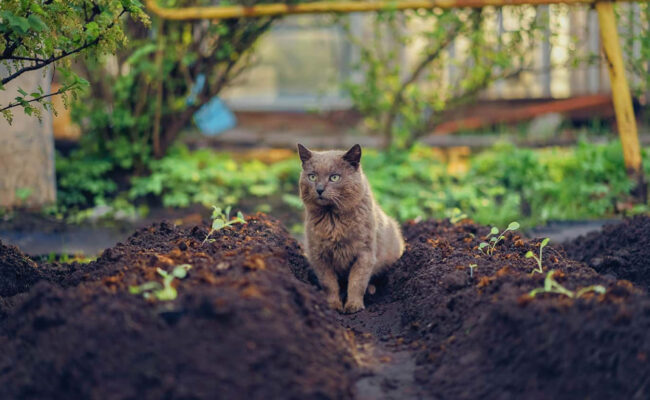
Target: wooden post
(621, 96)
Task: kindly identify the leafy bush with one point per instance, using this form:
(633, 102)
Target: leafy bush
(403, 99)
(82, 181)
(183, 178)
(35, 34)
(141, 99)
(502, 184)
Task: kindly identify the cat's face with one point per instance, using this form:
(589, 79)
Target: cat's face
(331, 178)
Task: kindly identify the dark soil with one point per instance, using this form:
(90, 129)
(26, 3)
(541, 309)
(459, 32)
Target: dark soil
(242, 326)
(485, 338)
(621, 250)
(249, 322)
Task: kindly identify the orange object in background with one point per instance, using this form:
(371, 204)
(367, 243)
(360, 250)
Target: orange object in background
(64, 128)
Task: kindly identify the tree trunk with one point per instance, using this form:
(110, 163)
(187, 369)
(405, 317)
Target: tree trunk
(27, 176)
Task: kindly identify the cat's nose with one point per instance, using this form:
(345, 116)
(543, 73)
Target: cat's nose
(320, 190)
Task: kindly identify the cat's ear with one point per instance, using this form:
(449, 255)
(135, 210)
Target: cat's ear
(353, 156)
(305, 153)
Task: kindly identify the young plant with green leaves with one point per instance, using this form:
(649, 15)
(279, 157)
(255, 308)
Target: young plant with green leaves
(494, 238)
(530, 254)
(162, 291)
(552, 286)
(35, 34)
(221, 219)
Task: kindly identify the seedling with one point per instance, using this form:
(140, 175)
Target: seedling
(551, 286)
(530, 254)
(162, 291)
(221, 219)
(471, 270)
(495, 237)
(456, 216)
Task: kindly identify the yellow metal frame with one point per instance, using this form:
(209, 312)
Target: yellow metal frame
(609, 35)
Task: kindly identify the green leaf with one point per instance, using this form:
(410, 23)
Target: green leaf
(482, 245)
(180, 271)
(544, 243)
(494, 230)
(36, 23)
(21, 91)
(513, 226)
(529, 254)
(218, 224)
(92, 30)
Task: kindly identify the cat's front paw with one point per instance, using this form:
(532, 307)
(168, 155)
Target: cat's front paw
(352, 307)
(335, 303)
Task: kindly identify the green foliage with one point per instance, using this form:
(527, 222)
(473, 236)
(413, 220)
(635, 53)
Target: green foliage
(502, 184)
(552, 286)
(183, 178)
(82, 181)
(162, 291)
(403, 99)
(557, 183)
(138, 107)
(530, 254)
(35, 34)
(221, 219)
(494, 238)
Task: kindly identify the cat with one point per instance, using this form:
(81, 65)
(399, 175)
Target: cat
(347, 233)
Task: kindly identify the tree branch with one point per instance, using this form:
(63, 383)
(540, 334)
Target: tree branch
(421, 67)
(16, 104)
(48, 61)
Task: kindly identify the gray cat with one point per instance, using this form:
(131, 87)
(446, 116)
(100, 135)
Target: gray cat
(347, 232)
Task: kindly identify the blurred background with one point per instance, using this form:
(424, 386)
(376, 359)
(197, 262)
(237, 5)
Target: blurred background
(497, 114)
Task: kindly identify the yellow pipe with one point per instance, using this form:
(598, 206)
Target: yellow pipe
(271, 9)
(620, 91)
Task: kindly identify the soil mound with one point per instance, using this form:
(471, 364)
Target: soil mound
(242, 325)
(621, 250)
(477, 333)
(17, 271)
(448, 321)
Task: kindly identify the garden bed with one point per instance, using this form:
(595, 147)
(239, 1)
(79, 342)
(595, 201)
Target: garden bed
(249, 322)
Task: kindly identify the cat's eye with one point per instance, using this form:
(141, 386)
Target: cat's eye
(312, 177)
(335, 177)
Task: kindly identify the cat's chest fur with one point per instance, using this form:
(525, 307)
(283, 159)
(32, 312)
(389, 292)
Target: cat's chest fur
(337, 240)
